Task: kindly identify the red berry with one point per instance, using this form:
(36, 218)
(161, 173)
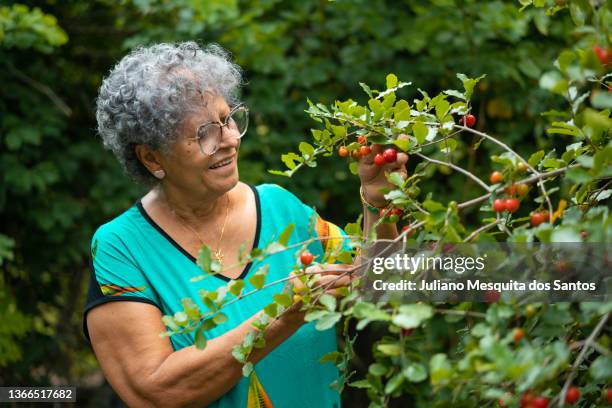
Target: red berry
(492, 296)
(511, 189)
(356, 154)
(390, 155)
(409, 230)
(546, 215)
(610, 395)
(518, 334)
(496, 177)
(343, 151)
(572, 395)
(383, 212)
(540, 402)
(526, 399)
(522, 189)
(499, 205)
(512, 205)
(469, 120)
(379, 160)
(537, 219)
(365, 150)
(407, 332)
(602, 54)
(306, 258)
(397, 211)
(361, 140)
(584, 234)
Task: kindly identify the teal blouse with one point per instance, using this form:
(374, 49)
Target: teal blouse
(133, 259)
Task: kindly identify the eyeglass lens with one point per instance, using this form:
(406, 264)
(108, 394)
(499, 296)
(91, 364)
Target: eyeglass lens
(209, 135)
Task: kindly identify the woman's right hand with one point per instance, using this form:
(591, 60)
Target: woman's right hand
(331, 277)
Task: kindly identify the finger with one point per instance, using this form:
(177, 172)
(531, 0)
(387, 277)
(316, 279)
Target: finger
(330, 282)
(334, 269)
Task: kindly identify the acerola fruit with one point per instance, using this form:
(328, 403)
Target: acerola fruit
(537, 219)
(397, 211)
(410, 231)
(522, 189)
(530, 310)
(365, 150)
(540, 402)
(526, 399)
(356, 154)
(610, 395)
(572, 395)
(496, 177)
(297, 298)
(584, 234)
(469, 120)
(602, 54)
(512, 205)
(343, 151)
(492, 296)
(379, 160)
(522, 166)
(361, 140)
(518, 334)
(499, 205)
(511, 190)
(306, 258)
(390, 155)
(407, 332)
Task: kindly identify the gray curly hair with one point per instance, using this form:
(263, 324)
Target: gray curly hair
(148, 93)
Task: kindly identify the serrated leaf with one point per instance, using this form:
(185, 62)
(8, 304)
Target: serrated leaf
(283, 239)
(391, 81)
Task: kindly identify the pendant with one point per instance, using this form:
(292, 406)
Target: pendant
(219, 256)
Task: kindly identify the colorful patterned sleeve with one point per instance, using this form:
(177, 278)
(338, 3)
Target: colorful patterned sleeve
(114, 276)
(334, 239)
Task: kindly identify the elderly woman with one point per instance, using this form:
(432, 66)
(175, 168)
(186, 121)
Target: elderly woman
(171, 116)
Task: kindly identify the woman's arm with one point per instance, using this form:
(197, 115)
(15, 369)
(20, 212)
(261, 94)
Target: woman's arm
(144, 370)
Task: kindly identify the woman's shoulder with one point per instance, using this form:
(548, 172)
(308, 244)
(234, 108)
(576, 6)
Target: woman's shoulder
(277, 193)
(120, 227)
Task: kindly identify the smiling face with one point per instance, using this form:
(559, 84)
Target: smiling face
(188, 169)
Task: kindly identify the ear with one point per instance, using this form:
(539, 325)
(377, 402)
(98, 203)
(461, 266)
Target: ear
(149, 157)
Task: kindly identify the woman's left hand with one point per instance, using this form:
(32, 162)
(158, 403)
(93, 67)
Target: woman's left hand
(373, 176)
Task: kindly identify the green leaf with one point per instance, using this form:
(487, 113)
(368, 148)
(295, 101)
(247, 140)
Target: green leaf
(328, 321)
(390, 349)
(442, 108)
(247, 369)
(403, 144)
(258, 279)
(328, 301)
(377, 369)
(200, 339)
(306, 149)
(411, 316)
(361, 384)
(283, 239)
(420, 132)
(415, 372)
(578, 175)
(283, 299)
(601, 369)
(391, 81)
(440, 369)
(535, 158)
(271, 310)
(394, 383)
(236, 287)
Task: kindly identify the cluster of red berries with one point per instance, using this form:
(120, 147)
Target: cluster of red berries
(510, 204)
(391, 214)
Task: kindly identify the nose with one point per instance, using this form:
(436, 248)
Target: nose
(229, 137)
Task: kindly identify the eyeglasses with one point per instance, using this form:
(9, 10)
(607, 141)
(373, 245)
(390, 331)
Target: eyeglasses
(208, 135)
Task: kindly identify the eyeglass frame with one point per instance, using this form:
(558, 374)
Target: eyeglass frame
(225, 123)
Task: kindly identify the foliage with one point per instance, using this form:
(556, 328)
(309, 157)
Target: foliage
(58, 185)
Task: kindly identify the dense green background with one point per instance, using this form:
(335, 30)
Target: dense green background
(58, 184)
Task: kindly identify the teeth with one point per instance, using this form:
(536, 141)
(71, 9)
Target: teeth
(223, 163)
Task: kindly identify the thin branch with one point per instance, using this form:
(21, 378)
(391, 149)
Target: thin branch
(42, 88)
(456, 168)
(506, 147)
(587, 344)
(481, 229)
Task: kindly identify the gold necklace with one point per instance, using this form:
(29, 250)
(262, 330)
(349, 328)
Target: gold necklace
(218, 253)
